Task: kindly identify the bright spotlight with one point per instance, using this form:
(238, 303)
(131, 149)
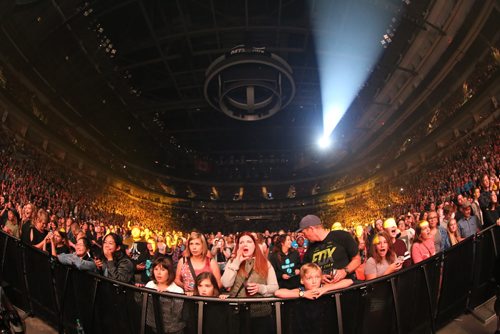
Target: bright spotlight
(324, 142)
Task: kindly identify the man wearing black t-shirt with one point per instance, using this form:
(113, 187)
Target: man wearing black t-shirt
(335, 252)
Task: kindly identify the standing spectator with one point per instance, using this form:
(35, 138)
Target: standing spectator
(398, 246)
(492, 213)
(171, 308)
(249, 274)
(81, 258)
(459, 203)
(12, 224)
(286, 262)
(476, 208)
(38, 233)
(423, 245)
(59, 243)
(26, 218)
(220, 253)
(195, 262)
(114, 263)
(453, 233)
(439, 234)
(384, 260)
(468, 225)
(485, 196)
(330, 250)
(250, 268)
(301, 247)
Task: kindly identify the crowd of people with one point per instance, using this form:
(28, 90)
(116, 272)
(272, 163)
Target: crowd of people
(83, 225)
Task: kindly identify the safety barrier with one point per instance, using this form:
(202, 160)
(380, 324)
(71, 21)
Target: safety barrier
(419, 299)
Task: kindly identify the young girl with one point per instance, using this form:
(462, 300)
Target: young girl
(206, 285)
(171, 308)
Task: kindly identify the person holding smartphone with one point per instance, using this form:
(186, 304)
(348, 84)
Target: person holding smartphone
(383, 260)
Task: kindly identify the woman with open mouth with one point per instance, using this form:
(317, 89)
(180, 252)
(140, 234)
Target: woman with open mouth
(250, 274)
(383, 261)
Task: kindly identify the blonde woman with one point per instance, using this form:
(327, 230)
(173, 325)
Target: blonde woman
(453, 233)
(195, 262)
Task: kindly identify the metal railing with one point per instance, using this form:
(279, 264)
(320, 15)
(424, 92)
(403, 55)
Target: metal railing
(421, 298)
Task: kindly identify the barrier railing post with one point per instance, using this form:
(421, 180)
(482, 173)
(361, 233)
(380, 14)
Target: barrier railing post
(25, 276)
(4, 254)
(431, 308)
(396, 304)
(56, 295)
(339, 313)
(143, 313)
(277, 307)
(200, 316)
(94, 296)
(495, 246)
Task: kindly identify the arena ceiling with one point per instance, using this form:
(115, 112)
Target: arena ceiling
(127, 76)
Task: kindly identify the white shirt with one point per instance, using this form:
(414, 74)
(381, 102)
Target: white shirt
(171, 288)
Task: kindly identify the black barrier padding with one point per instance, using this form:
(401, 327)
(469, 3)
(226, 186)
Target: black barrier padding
(220, 318)
(263, 323)
(78, 300)
(484, 285)
(116, 310)
(39, 277)
(310, 316)
(369, 309)
(456, 281)
(413, 302)
(170, 315)
(60, 273)
(13, 272)
(364, 309)
(433, 268)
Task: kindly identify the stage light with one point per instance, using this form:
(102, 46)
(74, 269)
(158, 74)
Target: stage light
(324, 142)
(348, 51)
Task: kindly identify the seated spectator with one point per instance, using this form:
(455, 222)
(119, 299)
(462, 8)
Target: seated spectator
(468, 225)
(286, 262)
(114, 263)
(171, 308)
(195, 262)
(81, 258)
(383, 260)
(423, 245)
